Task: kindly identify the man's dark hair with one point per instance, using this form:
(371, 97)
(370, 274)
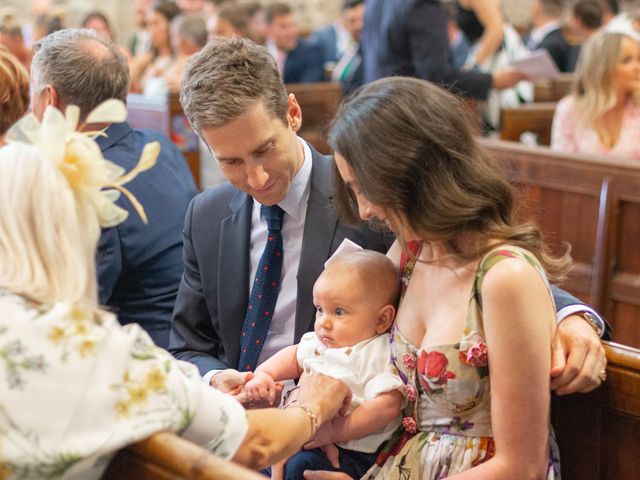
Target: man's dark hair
(349, 4)
(551, 8)
(589, 12)
(277, 9)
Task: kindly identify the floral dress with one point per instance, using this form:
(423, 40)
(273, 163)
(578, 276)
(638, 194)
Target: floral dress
(75, 387)
(447, 427)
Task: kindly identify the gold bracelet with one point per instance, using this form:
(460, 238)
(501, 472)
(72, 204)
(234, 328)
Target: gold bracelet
(312, 416)
(588, 317)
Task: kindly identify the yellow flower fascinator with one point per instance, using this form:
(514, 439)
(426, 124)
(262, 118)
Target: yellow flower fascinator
(79, 159)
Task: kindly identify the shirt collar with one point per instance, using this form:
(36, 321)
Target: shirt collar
(538, 33)
(295, 203)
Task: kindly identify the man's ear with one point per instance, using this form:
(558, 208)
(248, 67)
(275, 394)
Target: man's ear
(386, 316)
(294, 113)
(53, 98)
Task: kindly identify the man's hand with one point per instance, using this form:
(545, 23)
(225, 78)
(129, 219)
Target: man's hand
(577, 357)
(230, 380)
(233, 382)
(506, 78)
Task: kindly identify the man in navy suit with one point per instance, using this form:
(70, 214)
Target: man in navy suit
(235, 99)
(409, 37)
(298, 60)
(343, 34)
(139, 266)
(547, 33)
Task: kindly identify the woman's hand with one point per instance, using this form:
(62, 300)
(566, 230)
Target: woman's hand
(324, 475)
(325, 396)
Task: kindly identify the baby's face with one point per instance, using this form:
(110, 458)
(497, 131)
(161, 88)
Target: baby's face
(346, 313)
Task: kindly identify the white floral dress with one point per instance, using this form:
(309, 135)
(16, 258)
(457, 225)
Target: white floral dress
(447, 427)
(75, 387)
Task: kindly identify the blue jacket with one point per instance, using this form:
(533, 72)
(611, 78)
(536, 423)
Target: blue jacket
(327, 38)
(304, 64)
(139, 266)
(409, 38)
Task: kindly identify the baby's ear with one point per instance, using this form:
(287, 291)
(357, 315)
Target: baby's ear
(385, 318)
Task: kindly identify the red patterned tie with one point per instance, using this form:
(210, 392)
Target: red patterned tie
(264, 292)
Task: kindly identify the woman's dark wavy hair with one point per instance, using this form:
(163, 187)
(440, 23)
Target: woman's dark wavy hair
(412, 150)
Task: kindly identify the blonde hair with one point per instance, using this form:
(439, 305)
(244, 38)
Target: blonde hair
(593, 88)
(14, 90)
(48, 236)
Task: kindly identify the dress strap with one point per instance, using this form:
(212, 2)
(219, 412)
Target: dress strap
(499, 254)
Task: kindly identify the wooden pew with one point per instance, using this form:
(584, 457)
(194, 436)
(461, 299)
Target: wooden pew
(166, 116)
(530, 117)
(599, 433)
(593, 203)
(552, 90)
(319, 103)
(165, 456)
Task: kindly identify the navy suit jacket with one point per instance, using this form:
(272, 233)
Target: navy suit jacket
(409, 38)
(327, 39)
(558, 48)
(214, 290)
(304, 64)
(139, 266)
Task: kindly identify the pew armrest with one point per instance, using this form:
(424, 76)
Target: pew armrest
(165, 456)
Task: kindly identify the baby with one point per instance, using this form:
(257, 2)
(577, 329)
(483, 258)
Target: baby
(355, 298)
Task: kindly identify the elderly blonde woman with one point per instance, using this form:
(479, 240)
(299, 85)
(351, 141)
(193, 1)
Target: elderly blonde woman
(602, 114)
(14, 91)
(76, 386)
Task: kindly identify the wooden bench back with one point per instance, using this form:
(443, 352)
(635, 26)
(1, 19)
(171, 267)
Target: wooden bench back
(599, 433)
(552, 90)
(166, 116)
(593, 203)
(530, 117)
(319, 103)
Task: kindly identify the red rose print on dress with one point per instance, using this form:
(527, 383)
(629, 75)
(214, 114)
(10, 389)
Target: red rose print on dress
(432, 371)
(477, 355)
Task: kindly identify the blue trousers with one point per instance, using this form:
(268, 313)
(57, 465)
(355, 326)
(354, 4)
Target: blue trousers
(353, 463)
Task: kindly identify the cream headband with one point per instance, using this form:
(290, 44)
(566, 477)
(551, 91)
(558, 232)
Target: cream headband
(79, 159)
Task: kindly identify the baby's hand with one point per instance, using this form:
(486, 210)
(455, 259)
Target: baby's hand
(261, 388)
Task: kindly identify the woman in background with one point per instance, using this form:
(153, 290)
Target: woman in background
(148, 69)
(481, 22)
(14, 91)
(602, 114)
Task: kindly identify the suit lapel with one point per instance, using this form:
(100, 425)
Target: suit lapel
(319, 230)
(233, 273)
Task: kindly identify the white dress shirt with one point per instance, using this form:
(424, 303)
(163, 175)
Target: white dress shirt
(282, 328)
